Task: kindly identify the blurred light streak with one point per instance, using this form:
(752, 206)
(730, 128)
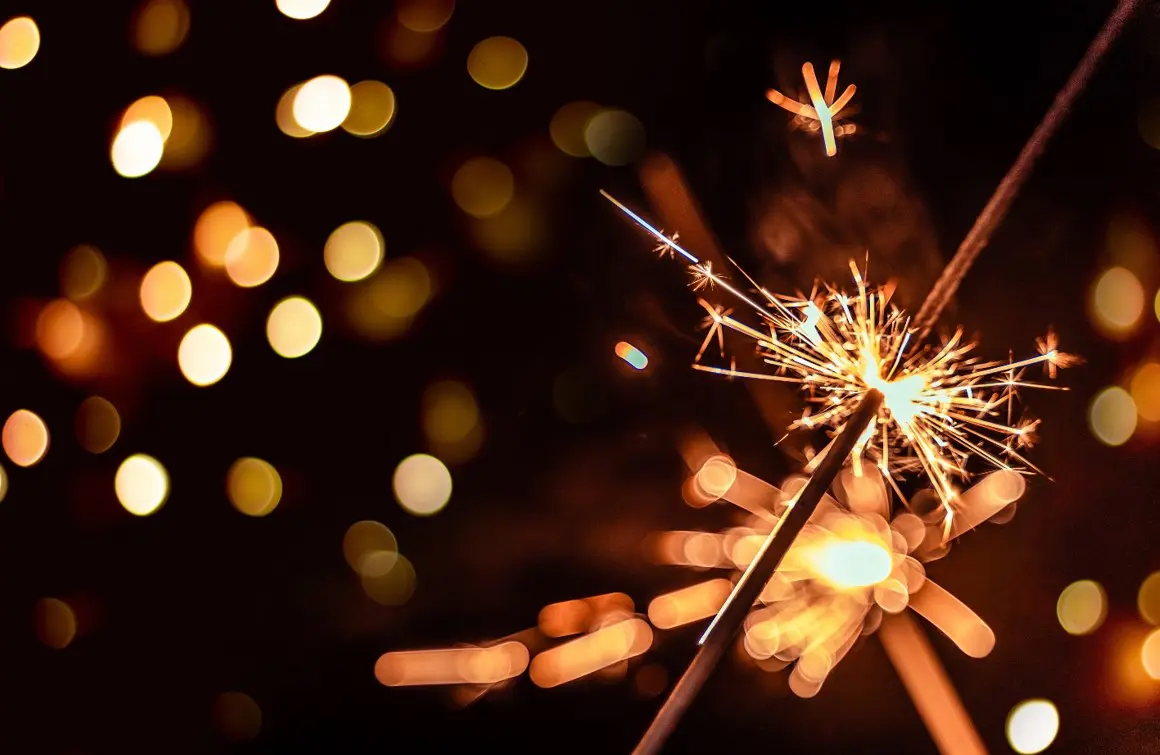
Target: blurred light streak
(301, 10)
(56, 623)
(294, 327)
(372, 109)
(461, 665)
(424, 16)
(141, 484)
(586, 655)
(497, 63)
(237, 716)
(83, 272)
(1082, 607)
(98, 424)
(25, 438)
(165, 291)
(954, 619)
(570, 617)
(1117, 302)
(1112, 416)
(353, 251)
(253, 486)
(632, 355)
(614, 137)
(689, 604)
(422, 484)
(1148, 599)
(160, 26)
(1032, 726)
(137, 149)
(218, 225)
(252, 257)
(322, 103)
(19, 42)
(930, 689)
(823, 110)
(204, 355)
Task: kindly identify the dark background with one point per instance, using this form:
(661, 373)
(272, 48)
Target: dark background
(197, 599)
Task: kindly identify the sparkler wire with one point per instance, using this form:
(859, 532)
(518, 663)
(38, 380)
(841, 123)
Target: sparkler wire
(996, 209)
(732, 615)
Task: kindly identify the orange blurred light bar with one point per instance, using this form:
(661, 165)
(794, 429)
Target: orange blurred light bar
(953, 618)
(466, 665)
(576, 616)
(985, 499)
(631, 354)
(929, 687)
(588, 654)
(689, 604)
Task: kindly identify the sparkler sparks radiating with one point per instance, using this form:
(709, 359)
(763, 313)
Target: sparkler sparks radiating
(942, 405)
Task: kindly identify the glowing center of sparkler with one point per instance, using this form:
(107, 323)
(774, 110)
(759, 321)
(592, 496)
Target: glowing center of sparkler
(900, 397)
(847, 564)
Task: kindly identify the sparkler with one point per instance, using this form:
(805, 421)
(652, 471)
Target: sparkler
(823, 110)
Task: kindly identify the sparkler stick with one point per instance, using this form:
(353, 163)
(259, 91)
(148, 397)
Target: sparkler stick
(1000, 202)
(724, 628)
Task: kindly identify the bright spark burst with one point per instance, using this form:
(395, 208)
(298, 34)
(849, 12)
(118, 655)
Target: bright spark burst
(942, 406)
(823, 112)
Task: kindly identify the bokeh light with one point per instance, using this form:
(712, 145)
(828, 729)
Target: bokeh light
(353, 251)
(569, 125)
(236, 716)
(513, 234)
(1112, 416)
(451, 420)
(383, 307)
(98, 424)
(497, 63)
(422, 484)
(19, 42)
(1082, 607)
(424, 16)
(293, 327)
(25, 438)
(1117, 301)
(615, 137)
(1145, 390)
(217, 226)
(850, 564)
(372, 109)
(160, 26)
(137, 149)
(165, 291)
(631, 354)
(141, 484)
(152, 109)
(395, 586)
(322, 104)
(370, 548)
(1032, 726)
(301, 10)
(56, 623)
(252, 257)
(408, 49)
(60, 329)
(482, 187)
(1150, 654)
(253, 486)
(83, 272)
(1148, 599)
(284, 115)
(204, 355)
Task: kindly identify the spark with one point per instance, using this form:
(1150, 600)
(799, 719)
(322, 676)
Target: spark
(943, 406)
(822, 112)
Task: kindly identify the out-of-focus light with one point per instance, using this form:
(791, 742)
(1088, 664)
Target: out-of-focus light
(204, 355)
(1150, 654)
(384, 306)
(1148, 122)
(614, 137)
(189, 141)
(216, 227)
(370, 548)
(141, 484)
(512, 234)
(252, 257)
(372, 109)
(1112, 416)
(165, 291)
(137, 149)
(353, 251)
(451, 420)
(716, 476)
(98, 424)
(591, 653)
(284, 115)
(293, 327)
(322, 104)
(583, 614)
(25, 438)
(1145, 390)
(631, 354)
(422, 484)
(489, 665)
(1148, 599)
(848, 564)
(300, 10)
(394, 587)
(236, 716)
(253, 486)
(1032, 726)
(569, 125)
(56, 623)
(689, 604)
(160, 26)
(1117, 301)
(1082, 607)
(497, 63)
(83, 272)
(424, 16)
(152, 109)
(19, 42)
(60, 329)
(482, 187)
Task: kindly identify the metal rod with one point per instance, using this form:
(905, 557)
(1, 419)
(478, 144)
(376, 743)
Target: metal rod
(729, 620)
